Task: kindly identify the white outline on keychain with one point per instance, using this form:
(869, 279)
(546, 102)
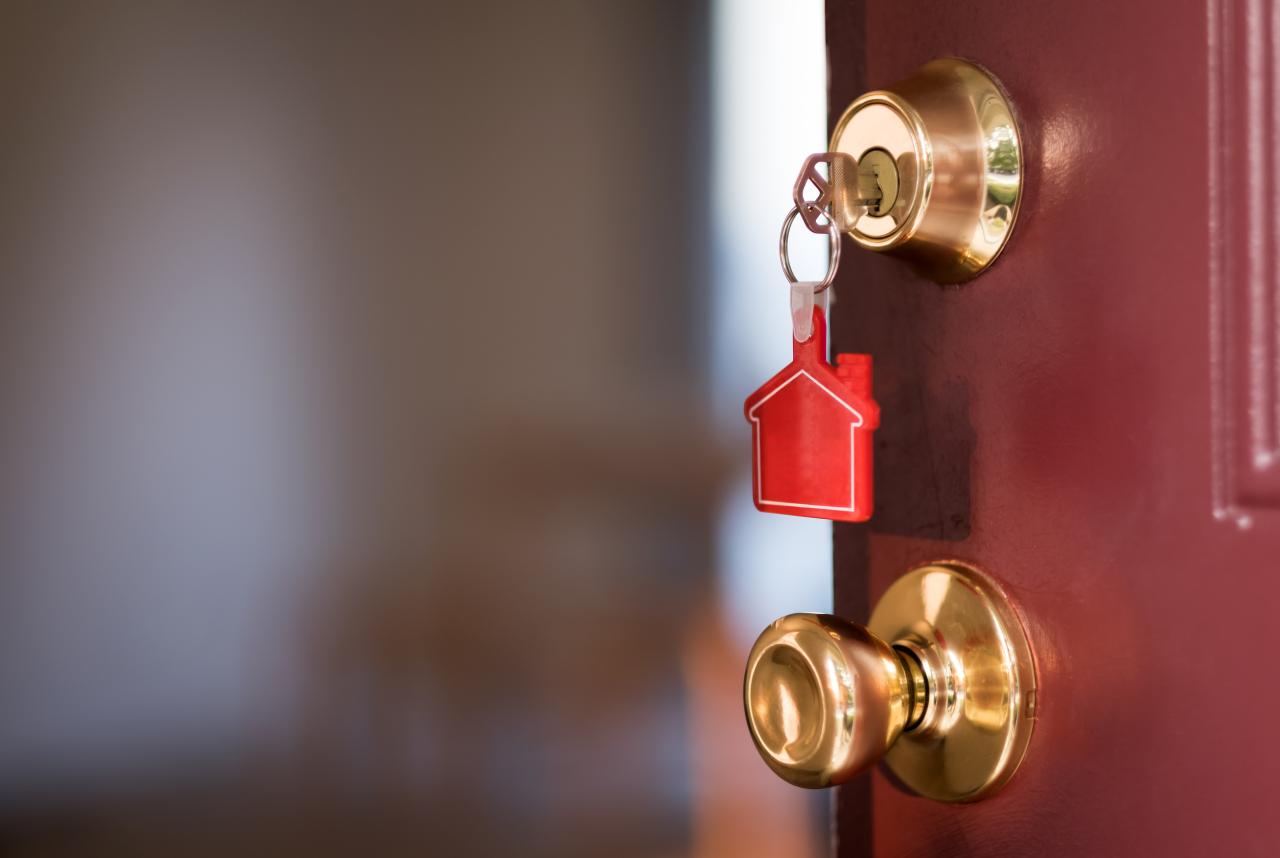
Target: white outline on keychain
(853, 427)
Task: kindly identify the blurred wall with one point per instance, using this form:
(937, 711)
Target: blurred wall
(357, 490)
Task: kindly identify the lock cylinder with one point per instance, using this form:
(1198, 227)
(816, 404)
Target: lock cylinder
(940, 153)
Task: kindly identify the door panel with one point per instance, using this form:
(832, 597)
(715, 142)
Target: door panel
(1091, 422)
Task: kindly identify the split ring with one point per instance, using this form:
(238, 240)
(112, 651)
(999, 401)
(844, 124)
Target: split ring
(833, 254)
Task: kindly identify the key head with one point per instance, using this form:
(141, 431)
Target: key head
(815, 212)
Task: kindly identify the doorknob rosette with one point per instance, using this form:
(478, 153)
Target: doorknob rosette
(940, 685)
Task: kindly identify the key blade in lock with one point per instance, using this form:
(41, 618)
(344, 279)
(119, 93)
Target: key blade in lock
(858, 188)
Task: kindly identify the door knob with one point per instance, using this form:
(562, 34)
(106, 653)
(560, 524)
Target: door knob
(826, 698)
(940, 684)
(941, 152)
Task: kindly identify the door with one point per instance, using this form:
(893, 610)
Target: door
(1093, 421)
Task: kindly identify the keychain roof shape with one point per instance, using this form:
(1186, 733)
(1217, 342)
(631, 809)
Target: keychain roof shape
(811, 427)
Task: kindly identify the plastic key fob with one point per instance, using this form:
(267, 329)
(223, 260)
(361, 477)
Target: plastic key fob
(811, 428)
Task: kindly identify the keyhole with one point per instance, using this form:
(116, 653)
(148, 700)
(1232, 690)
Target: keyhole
(878, 180)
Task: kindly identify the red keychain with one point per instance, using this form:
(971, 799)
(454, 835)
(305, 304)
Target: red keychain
(812, 423)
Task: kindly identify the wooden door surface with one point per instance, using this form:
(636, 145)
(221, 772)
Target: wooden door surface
(1095, 422)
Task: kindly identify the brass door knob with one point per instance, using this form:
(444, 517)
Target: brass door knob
(826, 698)
(940, 684)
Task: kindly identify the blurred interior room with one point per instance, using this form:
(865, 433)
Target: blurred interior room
(372, 380)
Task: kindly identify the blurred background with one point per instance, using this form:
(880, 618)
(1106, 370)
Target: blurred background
(375, 479)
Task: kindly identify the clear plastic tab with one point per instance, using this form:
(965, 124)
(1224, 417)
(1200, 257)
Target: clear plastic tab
(803, 300)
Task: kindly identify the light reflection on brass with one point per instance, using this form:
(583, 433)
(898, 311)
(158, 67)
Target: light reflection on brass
(939, 684)
(955, 138)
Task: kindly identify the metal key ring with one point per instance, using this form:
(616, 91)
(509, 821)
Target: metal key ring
(833, 255)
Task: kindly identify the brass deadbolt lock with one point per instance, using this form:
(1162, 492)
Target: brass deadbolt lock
(941, 155)
(940, 684)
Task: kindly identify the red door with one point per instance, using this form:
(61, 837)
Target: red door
(1095, 422)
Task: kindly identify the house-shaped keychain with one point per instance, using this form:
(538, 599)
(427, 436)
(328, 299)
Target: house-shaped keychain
(811, 427)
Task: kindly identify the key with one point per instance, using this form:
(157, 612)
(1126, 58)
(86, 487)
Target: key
(814, 211)
(812, 423)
